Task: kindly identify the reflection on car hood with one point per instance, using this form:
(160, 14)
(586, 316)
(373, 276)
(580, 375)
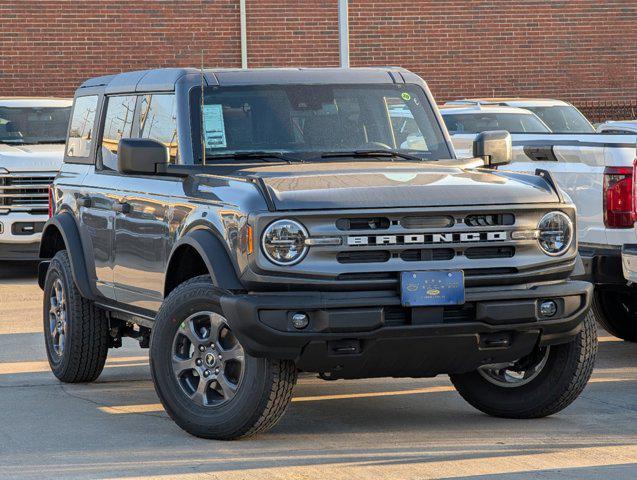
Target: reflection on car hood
(26, 158)
(379, 185)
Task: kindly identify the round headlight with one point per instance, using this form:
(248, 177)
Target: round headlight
(283, 242)
(555, 233)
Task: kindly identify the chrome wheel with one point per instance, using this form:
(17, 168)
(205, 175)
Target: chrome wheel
(207, 359)
(518, 373)
(57, 317)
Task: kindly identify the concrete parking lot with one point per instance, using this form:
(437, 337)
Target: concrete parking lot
(386, 428)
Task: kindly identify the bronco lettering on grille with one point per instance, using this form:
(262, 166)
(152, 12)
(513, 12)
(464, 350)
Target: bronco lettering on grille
(426, 238)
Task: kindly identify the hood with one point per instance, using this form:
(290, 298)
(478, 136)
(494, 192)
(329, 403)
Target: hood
(387, 185)
(29, 158)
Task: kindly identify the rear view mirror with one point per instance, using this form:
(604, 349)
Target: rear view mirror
(494, 146)
(141, 155)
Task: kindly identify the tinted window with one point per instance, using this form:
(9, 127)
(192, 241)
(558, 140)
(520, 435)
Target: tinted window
(117, 125)
(158, 120)
(563, 119)
(29, 125)
(81, 130)
(307, 120)
(481, 122)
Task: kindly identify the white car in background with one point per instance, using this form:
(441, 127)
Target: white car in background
(596, 171)
(32, 135)
(618, 127)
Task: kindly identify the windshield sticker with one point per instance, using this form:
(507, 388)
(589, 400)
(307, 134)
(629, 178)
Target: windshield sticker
(214, 129)
(406, 97)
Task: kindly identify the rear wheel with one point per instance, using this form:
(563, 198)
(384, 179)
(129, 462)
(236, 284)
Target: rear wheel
(540, 384)
(75, 330)
(205, 380)
(616, 311)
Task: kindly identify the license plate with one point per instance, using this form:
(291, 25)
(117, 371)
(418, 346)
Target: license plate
(432, 288)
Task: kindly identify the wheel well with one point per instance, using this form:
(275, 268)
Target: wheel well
(52, 242)
(185, 263)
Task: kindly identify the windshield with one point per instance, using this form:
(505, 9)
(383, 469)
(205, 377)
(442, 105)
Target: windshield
(26, 125)
(563, 119)
(306, 121)
(481, 122)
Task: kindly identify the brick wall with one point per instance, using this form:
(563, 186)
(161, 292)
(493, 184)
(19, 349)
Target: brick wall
(580, 50)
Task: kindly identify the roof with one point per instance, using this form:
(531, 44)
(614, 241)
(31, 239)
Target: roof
(164, 79)
(477, 109)
(17, 102)
(512, 101)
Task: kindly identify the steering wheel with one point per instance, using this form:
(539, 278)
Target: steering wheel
(374, 146)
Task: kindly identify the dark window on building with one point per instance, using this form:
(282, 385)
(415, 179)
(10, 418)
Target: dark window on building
(118, 123)
(80, 139)
(158, 121)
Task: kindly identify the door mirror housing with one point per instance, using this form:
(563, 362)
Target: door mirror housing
(494, 146)
(141, 155)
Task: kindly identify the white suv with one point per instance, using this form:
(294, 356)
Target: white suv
(594, 169)
(32, 135)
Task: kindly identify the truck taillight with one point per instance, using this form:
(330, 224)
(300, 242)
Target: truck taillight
(50, 201)
(618, 197)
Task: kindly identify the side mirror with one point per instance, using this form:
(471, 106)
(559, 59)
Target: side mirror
(494, 146)
(141, 155)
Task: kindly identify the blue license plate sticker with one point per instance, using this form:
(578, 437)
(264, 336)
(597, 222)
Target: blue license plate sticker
(432, 288)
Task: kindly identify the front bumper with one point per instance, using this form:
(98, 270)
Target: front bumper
(20, 235)
(368, 334)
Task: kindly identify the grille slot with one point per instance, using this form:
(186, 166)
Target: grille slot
(363, 223)
(397, 316)
(490, 220)
(368, 276)
(477, 253)
(427, 254)
(25, 193)
(414, 221)
(368, 256)
(477, 272)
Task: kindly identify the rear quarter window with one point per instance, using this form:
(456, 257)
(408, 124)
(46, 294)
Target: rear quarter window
(80, 139)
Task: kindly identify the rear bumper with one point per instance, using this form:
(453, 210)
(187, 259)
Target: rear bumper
(367, 334)
(603, 265)
(629, 262)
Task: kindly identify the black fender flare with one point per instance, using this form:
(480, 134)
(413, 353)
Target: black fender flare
(65, 224)
(215, 256)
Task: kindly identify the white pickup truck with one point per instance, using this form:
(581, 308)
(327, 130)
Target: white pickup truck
(32, 134)
(596, 171)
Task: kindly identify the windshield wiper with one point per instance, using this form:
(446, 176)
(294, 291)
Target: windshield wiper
(373, 153)
(265, 156)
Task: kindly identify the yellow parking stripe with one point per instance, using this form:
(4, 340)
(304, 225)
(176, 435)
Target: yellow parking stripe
(10, 368)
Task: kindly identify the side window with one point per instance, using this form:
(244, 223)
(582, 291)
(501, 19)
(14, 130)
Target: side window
(158, 121)
(80, 138)
(118, 122)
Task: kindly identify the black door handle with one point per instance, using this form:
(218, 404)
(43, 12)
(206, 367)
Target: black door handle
(84, 201)
(122, 207)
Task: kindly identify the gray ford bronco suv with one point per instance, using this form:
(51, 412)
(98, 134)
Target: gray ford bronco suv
(251, 224)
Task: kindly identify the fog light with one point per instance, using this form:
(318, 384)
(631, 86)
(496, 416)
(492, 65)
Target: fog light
(548, 308)
(300, 320)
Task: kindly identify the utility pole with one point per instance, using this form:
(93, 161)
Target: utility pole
(244, 33)
(343, 32)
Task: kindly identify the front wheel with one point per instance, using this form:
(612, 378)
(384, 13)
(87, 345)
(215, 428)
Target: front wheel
(205, 380)
(541, 384)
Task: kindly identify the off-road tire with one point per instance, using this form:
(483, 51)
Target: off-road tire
(262, 397)
(616, 312)
(86, 344)
(564, 376)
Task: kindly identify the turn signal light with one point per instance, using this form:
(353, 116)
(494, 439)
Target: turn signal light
(50, 201)
(618, 197)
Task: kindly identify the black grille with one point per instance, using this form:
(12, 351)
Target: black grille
(369, 256)
(396, 316)
(490, 220)
(427, 222)
(368, 276)
(427, 254)
(363, 223)
(476, 253)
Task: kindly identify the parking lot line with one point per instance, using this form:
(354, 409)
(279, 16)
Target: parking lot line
(10, 368)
